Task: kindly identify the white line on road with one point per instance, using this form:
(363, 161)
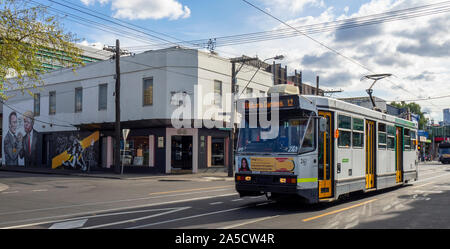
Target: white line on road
(10, 192)
(216, 203)
(99, 211)
(69, 224)
(109, 202)
(185, 218)
(39, 190)
(249, 222)
(240, 199)
(173, 210)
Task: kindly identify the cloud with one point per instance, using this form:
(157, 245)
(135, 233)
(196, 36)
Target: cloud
(146, 9)
(291, 6)
(326, 60)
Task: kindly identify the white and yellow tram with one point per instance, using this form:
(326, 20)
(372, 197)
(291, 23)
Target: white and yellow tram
(324, 148)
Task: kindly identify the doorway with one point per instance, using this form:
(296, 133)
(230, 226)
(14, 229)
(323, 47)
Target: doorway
(399, 154)
(370, 154)
(181, 153)
(325, 157)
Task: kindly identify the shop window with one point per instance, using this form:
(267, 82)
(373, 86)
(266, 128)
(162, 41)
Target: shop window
(136, 151)
(218, 152)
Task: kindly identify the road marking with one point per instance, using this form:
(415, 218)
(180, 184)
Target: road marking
(249, 222)
(216, 203)
(429, 191)
(423, 185)
(339, 210)
(10, 192)
(187, 190)
(172, 210)
(99, 211)
(240, 199)
(107, 202)
(39, 190)
(69, 224)
(185, 218)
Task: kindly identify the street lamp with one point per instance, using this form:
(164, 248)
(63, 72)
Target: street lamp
(233, 104)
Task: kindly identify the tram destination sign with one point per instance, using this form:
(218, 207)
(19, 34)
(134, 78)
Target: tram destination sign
(284, 102)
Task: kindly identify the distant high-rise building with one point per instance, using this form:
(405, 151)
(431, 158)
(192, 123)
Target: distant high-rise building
(447, 116)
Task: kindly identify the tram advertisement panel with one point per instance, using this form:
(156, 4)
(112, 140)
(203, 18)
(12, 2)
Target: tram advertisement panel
(266, 164)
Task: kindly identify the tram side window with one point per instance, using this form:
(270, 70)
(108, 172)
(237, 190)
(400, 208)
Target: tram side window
(382, 136)
(407, 139)
(391, 137)
(345, 134)
(358, 133)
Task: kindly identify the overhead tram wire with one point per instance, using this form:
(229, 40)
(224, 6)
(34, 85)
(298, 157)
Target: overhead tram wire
(116, 30)
(404, 14)
(325, 46)
(94, 24)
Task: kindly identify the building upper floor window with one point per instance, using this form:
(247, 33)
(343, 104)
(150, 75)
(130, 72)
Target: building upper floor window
(147, 88)
(37, 104)
(102, 96)
(249, 92)
(52, 103)
(218, 93)
(78, 99)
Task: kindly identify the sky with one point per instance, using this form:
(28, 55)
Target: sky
(416, 51)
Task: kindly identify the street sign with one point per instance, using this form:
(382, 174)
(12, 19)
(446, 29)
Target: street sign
(125, 133)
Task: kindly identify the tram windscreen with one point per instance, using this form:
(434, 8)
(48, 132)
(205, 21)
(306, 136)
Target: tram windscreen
(294, 134)
(444, 151)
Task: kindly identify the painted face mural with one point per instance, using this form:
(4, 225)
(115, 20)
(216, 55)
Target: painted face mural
(24, 144)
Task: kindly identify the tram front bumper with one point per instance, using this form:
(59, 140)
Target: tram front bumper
(247, 184)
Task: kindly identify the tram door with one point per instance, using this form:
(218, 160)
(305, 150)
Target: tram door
(399, 154)
(325, 157)
(370, 154)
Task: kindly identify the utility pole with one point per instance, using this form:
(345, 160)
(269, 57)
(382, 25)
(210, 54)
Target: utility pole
(117, 126)
(233, 107)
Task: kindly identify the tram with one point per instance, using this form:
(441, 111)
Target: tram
(444, 152)
(323, 148)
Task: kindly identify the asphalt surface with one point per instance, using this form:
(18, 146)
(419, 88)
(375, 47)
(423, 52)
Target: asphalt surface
(67, 202)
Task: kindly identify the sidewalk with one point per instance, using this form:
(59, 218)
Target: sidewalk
(209, 174)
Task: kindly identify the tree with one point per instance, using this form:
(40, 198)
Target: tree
(26, 33)
(414, 108)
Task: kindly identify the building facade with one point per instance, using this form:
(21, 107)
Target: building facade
(446, 116)
(70, 121)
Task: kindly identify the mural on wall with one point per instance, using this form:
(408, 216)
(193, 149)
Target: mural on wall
(27, 143)
(22, 143)
(75, 154)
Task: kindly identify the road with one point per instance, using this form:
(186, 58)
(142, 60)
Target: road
(62, 202)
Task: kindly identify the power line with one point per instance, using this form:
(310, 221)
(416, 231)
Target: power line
(323, 45)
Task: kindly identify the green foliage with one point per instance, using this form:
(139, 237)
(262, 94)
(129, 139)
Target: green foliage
(25, 32)
(414, 108)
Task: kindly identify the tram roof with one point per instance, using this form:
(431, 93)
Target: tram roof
(355, 110)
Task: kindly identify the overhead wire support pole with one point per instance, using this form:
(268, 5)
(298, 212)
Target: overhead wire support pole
(117, 98)
(233, 107)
